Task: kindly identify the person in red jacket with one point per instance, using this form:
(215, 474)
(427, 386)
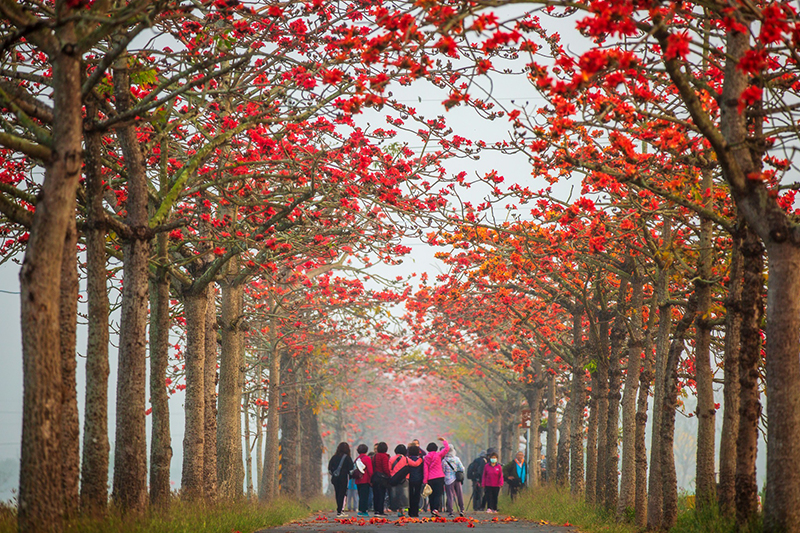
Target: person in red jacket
(492, 480)
(380, 477)
(363, 464)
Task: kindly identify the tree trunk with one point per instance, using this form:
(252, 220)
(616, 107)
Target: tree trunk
(564, 436)
(602, 413)
(641, 420)
(617, 344)
(627, 493)
(669, 489)
(578, 402)
(591, 445)
(70, 423)
(705, 479)
(268, 490)
(290, 431)
(248, 461)
(533, 393)
(210, 399)
(726, 490)
(752, 312)
(41, 497)
(130, 447)
(192, 476)
(311, 481)
(229, 441)
(160, 437)
(655, 497)
(94, 468)
(552, 429)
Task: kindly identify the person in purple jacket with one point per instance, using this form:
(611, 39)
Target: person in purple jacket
(434, 474)
(492, 480)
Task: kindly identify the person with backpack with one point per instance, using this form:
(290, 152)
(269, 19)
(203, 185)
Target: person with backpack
(492, 482)
(475, 474)
(416, 474)
(381, 474)
(339, 468)
(398, 482)
(453, 478)
(362, 473)
(434, 475)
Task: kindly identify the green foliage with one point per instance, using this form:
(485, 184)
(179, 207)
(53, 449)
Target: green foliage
(711, 521)
(191, 518)
(557, 507)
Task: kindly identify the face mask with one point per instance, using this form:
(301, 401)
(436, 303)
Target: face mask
(493, 460)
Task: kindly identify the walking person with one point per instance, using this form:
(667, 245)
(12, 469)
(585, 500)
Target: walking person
(475, 474)
(339, 468)
(398, 494)
(453, 478)
(362, 472)
(416, 474)
(380, 477)
(492, 481)
(434, 475)
(516, 474)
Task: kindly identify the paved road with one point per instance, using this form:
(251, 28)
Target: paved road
(476, 523)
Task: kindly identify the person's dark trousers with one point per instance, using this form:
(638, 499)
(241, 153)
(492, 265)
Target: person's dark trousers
(435, 500)
(414, 494)
(340, 488)
(514, 489)
(378, 499)
(477, 497)
(363, 497)
(491, 497)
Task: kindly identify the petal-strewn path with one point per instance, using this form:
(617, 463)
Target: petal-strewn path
(476, 523)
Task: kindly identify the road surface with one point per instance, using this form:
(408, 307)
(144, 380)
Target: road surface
(478, 522)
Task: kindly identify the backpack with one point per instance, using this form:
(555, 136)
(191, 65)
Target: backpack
(475, 469)
(416, 473)
(356, 473)
(458, 473)
(399, 476)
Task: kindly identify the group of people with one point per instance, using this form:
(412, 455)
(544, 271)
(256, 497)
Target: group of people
(415, 479)
(488, 477)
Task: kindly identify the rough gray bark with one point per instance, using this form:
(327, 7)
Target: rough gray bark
(290, 431)
(705, 478)
(752, 312)
(94, 462)
(248, 461)
(70, 423)
(669, 489)
(130, 446)
(552, 429)
(578, 397)
(617, 343)
(192, 475)
(311, 480)
(533, 393)
(726, 490)
(564, 437)
(602, 411)
(655, 498)
(591, 444)
(645, 380)
(210, 399)
(627, 492)
(268, 488)
(160, 437)
(41, 498)
(229, 440)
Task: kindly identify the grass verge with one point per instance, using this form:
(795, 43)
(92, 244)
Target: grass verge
(193, 518)
(559, 508)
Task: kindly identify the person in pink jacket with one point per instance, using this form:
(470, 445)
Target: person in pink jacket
(434, 474)
(492, 480)
(363, 463)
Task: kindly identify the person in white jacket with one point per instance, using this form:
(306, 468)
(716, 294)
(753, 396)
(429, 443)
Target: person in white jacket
(453, 470)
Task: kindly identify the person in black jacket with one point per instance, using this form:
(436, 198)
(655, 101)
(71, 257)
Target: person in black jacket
(339, 468)
(475, 473)
(415, 476)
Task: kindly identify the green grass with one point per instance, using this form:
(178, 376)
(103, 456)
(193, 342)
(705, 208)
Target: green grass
(711, 521)
(558, 507)
(192, 518)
